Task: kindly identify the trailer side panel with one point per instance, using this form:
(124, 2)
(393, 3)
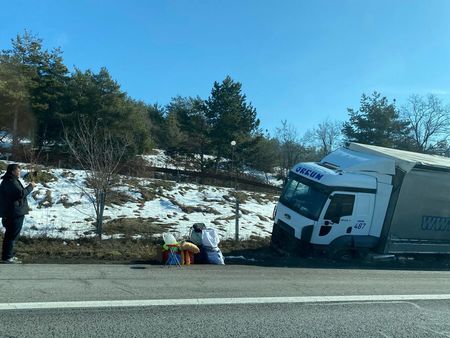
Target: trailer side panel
(421, 220)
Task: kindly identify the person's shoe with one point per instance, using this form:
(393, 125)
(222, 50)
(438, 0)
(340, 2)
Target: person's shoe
(12, 260)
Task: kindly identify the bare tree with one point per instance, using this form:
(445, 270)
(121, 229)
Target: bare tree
(327, 136)
(290, 146)
(99, 154)
(429, 121)
(33, 157)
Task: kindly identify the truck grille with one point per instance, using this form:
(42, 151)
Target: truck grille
(283, 236)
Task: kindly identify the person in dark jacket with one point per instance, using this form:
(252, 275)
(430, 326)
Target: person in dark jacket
(13, 208)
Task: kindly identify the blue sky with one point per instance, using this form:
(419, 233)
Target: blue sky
(303, 61)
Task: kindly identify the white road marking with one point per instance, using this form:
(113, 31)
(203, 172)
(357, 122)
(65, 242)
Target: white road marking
(217, 301)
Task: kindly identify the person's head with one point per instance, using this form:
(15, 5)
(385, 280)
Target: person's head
(13, 169)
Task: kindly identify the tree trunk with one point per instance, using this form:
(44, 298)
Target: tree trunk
(15, 138)
(101, 208)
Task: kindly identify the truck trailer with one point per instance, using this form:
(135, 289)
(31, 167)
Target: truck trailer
(366, 197)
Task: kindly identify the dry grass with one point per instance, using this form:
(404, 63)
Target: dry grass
(240, 195)
(150, 190)
(118, 198)
(40, 176)
(46, 250)
(244, 211)
(47, 201)
(262, 218)
(190, 209)
(265, 198)
(120, 251)
(225, 218)
(166, 185)
(67, 174)
(148, 193)
(64, 200)
(129, 227)
(252, 244)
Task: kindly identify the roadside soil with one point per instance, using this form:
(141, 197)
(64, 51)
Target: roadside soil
(255, 251)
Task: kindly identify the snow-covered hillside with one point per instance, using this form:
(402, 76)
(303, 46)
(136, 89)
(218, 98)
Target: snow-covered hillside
(61, 210)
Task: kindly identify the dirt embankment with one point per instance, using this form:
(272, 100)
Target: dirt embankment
(256, 251)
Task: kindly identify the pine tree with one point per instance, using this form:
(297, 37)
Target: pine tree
(97, 97)
(376, 122)
(265, 154)
(231, 118)
(176, 138)
(15, 109)
(46, 84)
(191, 116)
(155, 114)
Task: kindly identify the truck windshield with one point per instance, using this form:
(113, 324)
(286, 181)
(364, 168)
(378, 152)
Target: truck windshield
(303, 196)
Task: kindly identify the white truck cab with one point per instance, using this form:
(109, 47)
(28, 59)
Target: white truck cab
(364, 196)
(334, 202)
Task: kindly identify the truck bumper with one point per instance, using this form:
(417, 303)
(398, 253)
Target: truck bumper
(283, 238)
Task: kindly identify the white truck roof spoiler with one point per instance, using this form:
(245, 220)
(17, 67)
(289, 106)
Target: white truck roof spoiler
(405, 160)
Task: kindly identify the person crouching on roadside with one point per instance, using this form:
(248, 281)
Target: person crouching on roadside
(13, 208)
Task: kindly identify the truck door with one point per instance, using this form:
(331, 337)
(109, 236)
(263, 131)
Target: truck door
(336, 218)
(363, 213)
(344, 214)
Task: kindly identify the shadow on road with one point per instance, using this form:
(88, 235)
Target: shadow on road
(267, 256)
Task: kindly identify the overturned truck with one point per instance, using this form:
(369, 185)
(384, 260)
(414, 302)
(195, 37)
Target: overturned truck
(366, 197)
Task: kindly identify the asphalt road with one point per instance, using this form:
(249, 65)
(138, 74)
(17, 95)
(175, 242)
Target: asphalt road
(69, 283)
(420, 319)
